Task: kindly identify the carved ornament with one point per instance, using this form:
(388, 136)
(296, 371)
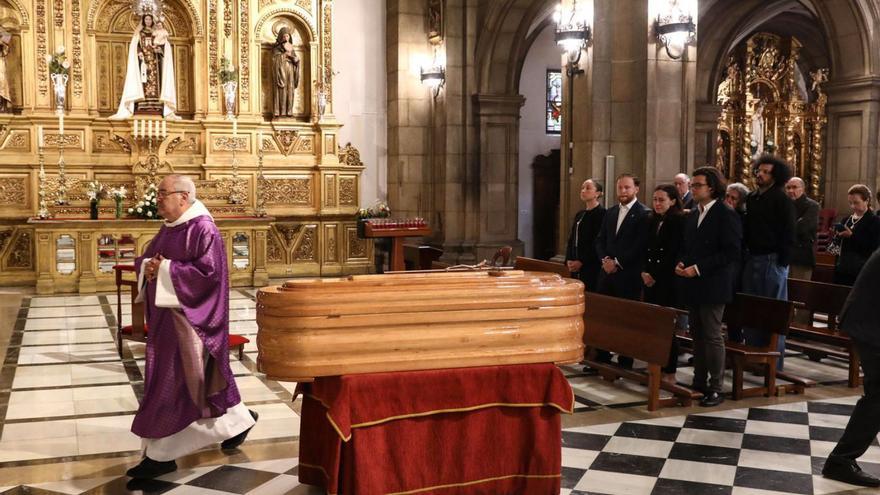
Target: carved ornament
(348, 191)
(244, 80)
(68, 140)
(296, 191)
(21, 254)
(17, 141)
(76, 71)
(178, 144)
(357, 247)
(42, 66)
(349, 155)
(226, 143)
(13, 191)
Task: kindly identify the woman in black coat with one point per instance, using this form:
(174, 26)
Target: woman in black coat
(665, 234)
(858, 235)
(580, 255)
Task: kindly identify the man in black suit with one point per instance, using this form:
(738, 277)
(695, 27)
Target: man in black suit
(683, 184)
(803, 256)
(712, 240)
(621, 247)
(860, 319)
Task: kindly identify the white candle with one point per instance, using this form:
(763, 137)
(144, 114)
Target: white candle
(135, 128)
(40, 136)
(151, 132)
(164, 128)
(234, 127)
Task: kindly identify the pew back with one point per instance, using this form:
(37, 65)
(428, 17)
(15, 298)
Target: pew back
(632, 328)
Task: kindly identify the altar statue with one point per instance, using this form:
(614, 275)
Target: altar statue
(758, 127)
(149, 76)
(5, 91)
(285, 74)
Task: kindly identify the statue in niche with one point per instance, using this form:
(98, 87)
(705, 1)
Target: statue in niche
(285, 74)
(758, 127)
(5, 90)
(149, 78)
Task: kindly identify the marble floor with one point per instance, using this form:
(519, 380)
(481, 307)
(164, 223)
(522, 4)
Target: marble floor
(67, 399)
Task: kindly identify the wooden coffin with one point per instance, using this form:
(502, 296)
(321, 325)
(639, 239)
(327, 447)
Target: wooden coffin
(417, 321)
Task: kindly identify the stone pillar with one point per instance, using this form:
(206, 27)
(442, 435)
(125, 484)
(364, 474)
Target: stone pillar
(852, 137)
(498, 118)
(706, 133)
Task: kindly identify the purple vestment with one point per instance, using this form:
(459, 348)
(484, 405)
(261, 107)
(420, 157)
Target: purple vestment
(200, 277)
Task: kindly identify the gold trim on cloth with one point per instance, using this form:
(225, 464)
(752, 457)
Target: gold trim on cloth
(475, 482)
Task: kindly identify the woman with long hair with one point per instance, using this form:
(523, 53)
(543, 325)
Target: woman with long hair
(665, 227)
(858, 235)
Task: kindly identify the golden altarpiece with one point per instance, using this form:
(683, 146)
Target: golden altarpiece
(285, 203)
(771, 103)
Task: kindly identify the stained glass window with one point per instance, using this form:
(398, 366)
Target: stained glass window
(554, 102)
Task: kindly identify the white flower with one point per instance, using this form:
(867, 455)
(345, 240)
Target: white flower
(131, 211)
(65, 64)
(48, 58)
(60, 49)
(149, 213)
(140, 210)
(140, 203)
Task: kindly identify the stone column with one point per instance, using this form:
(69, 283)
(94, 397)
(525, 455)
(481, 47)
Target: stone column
(852, 137)
(498, 118)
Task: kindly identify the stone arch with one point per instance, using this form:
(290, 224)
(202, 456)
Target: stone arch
(297, 12)
(189, 6)
(730, 22)
(509, 30)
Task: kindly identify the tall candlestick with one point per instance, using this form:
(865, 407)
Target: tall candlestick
(40, 136)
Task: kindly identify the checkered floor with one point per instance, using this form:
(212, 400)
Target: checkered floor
(764, 450)
(66, 396)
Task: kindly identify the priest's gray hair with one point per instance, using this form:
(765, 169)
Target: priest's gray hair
(183, 183)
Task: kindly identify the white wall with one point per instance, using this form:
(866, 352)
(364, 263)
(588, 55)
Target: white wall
(359, 89)
(533, 139)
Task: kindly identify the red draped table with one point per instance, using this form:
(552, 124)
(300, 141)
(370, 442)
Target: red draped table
(487, 430)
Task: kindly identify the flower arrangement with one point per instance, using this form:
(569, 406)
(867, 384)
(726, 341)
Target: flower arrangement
(118, 194)
(378, 210)
(95, 191)
(58, 63)
(227, 72)
(147, 207)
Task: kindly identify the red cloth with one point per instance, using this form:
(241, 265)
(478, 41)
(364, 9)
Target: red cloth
(484, 430)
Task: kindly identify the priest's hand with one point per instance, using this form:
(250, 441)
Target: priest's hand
(151, 270)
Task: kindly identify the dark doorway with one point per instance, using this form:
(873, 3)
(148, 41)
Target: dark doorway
(545, 202)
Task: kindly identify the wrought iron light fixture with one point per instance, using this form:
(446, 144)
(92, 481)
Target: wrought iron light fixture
(572, 30)
(675, 27)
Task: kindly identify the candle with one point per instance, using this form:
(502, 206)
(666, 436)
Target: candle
(135, 128)
(234, 127)
(150, 133)
(40, 136)
(61, 124)
(164, 128)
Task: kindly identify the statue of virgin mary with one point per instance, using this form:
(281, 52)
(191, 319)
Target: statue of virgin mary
(149, 75)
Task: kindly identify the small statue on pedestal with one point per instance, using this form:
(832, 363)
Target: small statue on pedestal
(285, 74)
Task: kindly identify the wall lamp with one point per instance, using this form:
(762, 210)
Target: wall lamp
(573, 31)
(675, 27)
(434, 77)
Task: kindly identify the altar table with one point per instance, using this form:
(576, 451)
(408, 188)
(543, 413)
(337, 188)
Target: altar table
(485, 430)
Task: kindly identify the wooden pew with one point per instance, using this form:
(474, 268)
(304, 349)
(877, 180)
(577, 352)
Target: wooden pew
(823, 272)
(762, 314)
(416, 257)
(820, 342)
(640, 330)
(533, 265)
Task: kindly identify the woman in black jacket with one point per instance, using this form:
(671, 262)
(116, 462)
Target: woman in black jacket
(580, 255)
(858, 235)
(665, 234)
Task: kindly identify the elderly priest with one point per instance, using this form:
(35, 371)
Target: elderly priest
(190, 398)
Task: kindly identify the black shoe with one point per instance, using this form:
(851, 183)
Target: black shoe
(590, 371)
(848, 472)
(234, 442)
(148, 468)
(711, 399)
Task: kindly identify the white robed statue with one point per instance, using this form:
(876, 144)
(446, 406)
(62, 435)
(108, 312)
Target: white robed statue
(149, 75)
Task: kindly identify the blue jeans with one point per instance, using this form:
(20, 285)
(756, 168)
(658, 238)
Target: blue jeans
(762, 276)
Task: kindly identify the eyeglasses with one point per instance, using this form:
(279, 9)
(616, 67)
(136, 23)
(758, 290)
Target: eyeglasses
(697, 185)
(164, 194)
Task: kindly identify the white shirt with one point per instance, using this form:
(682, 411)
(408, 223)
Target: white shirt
(704, 210)
(623, 212)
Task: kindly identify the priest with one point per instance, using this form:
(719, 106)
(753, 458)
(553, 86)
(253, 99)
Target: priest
(190, 398)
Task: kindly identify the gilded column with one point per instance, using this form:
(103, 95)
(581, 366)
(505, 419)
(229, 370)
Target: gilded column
(244, 46)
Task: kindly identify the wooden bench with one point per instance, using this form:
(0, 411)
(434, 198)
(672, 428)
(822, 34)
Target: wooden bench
(533, 265)
(640, 330)
(416, 257)
(823, 272)
(138, 329)
(771, 317)
(820, 342)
